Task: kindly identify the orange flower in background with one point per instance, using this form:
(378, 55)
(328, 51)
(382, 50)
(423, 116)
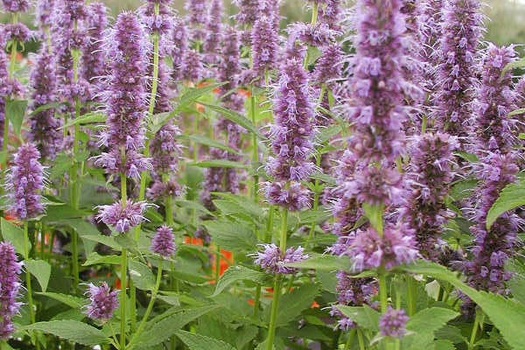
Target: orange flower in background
(244, 92)
(193, 241)
(225, 261)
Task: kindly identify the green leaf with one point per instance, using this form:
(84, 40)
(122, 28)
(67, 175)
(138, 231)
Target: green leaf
(95, 259)
(364, 316)
(517, 112)
(15, 235)
(512, 196)
(200, 342)
(88, 118)
(71, 330)
(45, 107)
(374, 214)
(57, 213)
(238, 273)
(141, 275)
(507, 315)
(14, 112)
(206, 141)
(293, 303)
(218, 163)
(443, 344)
(513, 65)
(323, 262)
(161, 329)
(61, 164)
(41, 270)
(231, 236)
(67, 299)
(235, 117)
(424, 324)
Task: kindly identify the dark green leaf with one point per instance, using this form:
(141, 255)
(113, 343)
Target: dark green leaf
(364, 316)
(231, 236)
(41, 270)
(92, 117)
(424, 324)
(206, 141)
(323, 262)
(15, 235)
(238, 273)
(235, 117)
(201, 342)
(511, 197)
(95, 259)
(71, 330)
(141, 275)
(69, 300)
(293, 303)
(218, 163)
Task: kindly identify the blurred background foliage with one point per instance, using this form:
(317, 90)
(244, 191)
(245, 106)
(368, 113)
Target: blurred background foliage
(505, 18)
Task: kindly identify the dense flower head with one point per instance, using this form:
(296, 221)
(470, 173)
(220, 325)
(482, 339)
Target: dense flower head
(163, 243)
(249, 11)
(165, 150)
(265, 46)
(331, 13)
(9, 288)
(354, 291)
(8, 86)
(16, 5)
(162, 189)
(328, 67)
(103, 302)
(192, 68)
(126, 97)
(492, 247)
(495, 130)
(314, 35)
(122, 217)
(273, 260)
(196, 17)
(45, 132)
(377, 88)
(344, 323)
(393, 323)
(294, 197)
(179, 41)
(161, 23)
(214, 31)
(94, 65)
(44, 12)
(25, 182)
(430, 178)
(17, 31)
(376, 185)
(229, 67)
(369, 250)
(456, 73)
(292, 133)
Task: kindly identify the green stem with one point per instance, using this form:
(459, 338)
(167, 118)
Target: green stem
(474, 333)
(350, 339)
(30, 303)
(360, 339)
(383, 296)
(257, 301)
(217, 264)
(123, 297)
(269, 224)
(273, 315)
(315, 12)
(149, 308)
(411, 288)
(284, 231)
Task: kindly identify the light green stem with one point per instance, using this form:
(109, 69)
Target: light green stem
(383, 296)
(30, 303)
(411, 288)
(360, 339)
(350, 339)
(475, 326)
(123, 297)
(142, 324)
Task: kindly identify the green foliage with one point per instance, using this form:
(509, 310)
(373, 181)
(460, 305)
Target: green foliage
(15, 235)
(512, 196)
(235, 274)
(41, 270)
(200, 342)
(72, 330)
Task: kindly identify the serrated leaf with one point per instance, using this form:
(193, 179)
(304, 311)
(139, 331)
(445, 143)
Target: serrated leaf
(206, 141)
(95, 259)
(161, 329)
(324, 262)
(512, 196)
(201, 342)
(218, 163)
(88, 118)
(238, 273)
(15, 235)
(141, 275)
(235, 117)
(41, 270)
(293, 303)
(231, 236)
(424, 324)
(364, 316)
(69, 300)
(14, 112)
(71, 330)
(443, 344)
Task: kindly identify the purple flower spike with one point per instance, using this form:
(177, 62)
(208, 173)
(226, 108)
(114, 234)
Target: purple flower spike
(265, 45)
(9, 288)
(44, 12)
(103, 302)
(393, 323)
(25, 182)
(328, 67)
(16, 5)
(214, 30)
(95, 64)
(163, 243)
(45, 132)
(179, 40)
(456, 73)
(120, 217)
(273, 260)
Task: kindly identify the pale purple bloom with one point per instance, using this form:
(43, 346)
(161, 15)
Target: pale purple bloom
(214, 29)
(122, 217)
(430, 176)
(45, 132)
(314, 35)
(354, 291)
(103, 302)
(95, 63)
(393, 323)
(17, 31)
(9, 288)
(331, 13)
(16, 5)
(329, 66)
(44, 12)
(456, 75)
(192, 68)
(273, 260)
(163, 243)
(196, 17)
(161, 23)
(265, 46)
(25, 182)
(179, 41)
